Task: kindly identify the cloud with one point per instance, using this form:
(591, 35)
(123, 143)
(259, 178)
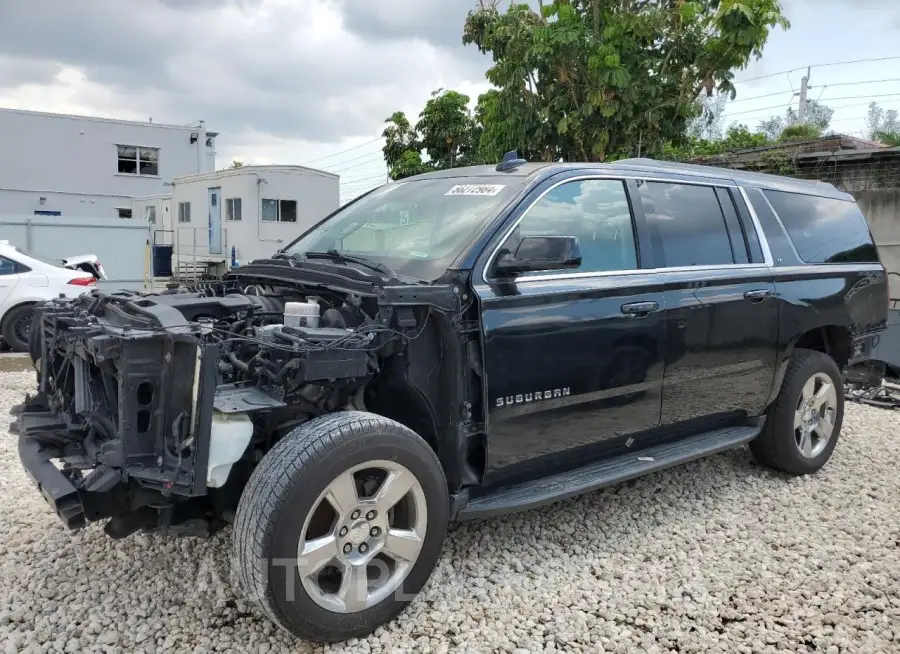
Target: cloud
(319, 71)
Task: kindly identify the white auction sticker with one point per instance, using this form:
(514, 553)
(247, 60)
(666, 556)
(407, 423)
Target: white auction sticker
(476, 189)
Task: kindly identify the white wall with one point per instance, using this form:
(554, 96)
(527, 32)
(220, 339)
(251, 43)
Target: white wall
(72, 162)
(316, 193)
(120, 245)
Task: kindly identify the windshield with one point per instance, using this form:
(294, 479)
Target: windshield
(417, 228)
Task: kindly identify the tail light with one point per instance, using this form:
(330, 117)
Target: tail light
(83, 281)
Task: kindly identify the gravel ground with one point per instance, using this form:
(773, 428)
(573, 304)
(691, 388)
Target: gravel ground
(717, 555)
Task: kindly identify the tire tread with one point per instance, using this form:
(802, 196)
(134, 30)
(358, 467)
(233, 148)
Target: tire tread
(772, 448)
(268, 489)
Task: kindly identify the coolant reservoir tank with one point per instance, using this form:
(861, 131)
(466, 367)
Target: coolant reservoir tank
(302, 314)
(229, 436)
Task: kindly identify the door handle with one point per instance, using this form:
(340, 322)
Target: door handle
(758, 295)
(639, 309)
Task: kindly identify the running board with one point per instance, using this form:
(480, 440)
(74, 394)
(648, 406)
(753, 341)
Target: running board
(607, 472)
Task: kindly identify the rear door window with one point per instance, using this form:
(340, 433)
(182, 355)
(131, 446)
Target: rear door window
(824, 230)
(689, 226)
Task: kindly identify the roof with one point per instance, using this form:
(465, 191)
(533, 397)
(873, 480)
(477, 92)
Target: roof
(253, 170)
(482, 171)
(741, 177)
(646, 167)
(96, 119)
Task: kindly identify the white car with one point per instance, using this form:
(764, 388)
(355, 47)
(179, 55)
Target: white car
(26, 279)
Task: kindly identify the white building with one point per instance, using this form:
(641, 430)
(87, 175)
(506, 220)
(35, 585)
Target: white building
(253, 209)
(55, 164)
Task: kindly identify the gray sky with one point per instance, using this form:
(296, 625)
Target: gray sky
(296, 81)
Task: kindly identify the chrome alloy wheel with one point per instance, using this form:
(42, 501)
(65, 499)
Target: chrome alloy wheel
(362, 536)
(815, 415)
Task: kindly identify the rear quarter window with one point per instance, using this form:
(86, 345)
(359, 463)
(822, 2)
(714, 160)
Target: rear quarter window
(824, 230)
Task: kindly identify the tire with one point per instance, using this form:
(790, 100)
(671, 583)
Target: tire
(17, 327)
(287, 492)
(781, 445)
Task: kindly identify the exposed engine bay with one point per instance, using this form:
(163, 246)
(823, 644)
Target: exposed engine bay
(168, 397)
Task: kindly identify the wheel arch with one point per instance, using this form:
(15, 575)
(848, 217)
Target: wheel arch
(18, 304)
(394, 397)
(833, 340)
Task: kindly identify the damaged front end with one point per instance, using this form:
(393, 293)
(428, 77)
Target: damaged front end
(152, 410)
(119, 406)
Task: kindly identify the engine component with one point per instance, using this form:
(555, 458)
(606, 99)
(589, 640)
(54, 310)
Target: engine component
(297, 314)
(229, 436)
(318, 334)
(332, 318)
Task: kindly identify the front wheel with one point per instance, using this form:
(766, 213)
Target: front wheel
(804, 423)
(341, 525)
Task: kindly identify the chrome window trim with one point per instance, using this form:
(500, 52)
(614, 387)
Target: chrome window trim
(780, 222)
(764, 244)
(760, 235)
(737, 267)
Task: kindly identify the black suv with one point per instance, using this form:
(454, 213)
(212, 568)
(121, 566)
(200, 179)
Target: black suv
(456, 345)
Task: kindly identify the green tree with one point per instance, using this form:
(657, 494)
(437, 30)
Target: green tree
(883, 125)
(818, 116)
(447, 131)
(401, 147)
(737, 137)
(593, 79)
(798, 132)
(410, 163)
(708, 124)
(236, 164)
(445, 126)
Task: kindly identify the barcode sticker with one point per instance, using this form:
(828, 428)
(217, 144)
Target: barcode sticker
(476, 189)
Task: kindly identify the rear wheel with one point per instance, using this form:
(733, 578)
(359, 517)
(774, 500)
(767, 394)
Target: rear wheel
(340, 525)
(803, 425)
(17, 327)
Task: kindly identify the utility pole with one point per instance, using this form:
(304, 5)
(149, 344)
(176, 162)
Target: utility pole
(804, 87)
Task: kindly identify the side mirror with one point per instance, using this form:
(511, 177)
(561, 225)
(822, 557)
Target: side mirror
(539, 253)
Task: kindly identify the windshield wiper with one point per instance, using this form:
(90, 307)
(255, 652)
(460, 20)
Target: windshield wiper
(338, 257)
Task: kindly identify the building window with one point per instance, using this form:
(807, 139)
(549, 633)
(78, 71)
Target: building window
(184, 212)
(150, 214)
(135, 160)
(124, 213)
(282, 211)
(232, 209)
(41, 212)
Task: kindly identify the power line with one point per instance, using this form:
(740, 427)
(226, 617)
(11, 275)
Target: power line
(379, 153)
(757, 97)
(823, 87)
(846, 97)
(355, 147)
(870, 81)
(356, 182)
(357, 165)
(750, 111)
(852, 97)
(834, 63)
